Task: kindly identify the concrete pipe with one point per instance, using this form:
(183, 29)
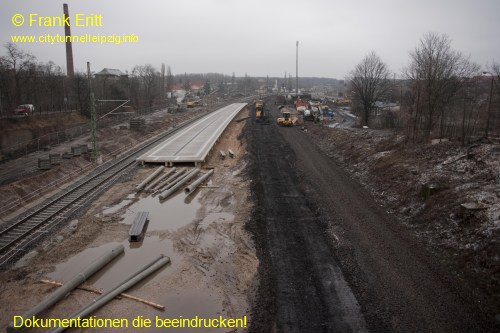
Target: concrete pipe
(69, 286)
(198, 181)
(124, 285)
(149, 178)
(170, 181)
(181, 183)
(156, 181)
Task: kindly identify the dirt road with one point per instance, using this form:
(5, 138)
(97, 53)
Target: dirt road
(315, 226)
(303, 289)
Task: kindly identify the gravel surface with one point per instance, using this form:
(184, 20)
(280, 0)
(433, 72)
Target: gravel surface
(313, 215)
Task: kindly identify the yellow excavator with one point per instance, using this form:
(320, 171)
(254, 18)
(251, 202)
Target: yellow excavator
(286, 120)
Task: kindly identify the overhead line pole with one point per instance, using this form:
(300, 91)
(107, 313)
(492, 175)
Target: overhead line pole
(93, 120)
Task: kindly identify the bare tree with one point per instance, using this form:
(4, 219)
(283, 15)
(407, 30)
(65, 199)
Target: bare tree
(470, 97)
(437, 73)
(80, 86)
(370, 82)
(170, 80)
(147, 77)
(16, 61)
(162, 83)
(494, 71)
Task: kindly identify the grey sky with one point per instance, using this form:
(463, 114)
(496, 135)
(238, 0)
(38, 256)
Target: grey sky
(258, 37)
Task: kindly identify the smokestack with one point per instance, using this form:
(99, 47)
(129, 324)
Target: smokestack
(69, 49)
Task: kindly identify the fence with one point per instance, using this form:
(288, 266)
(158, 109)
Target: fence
(44, 110)
(43, 142)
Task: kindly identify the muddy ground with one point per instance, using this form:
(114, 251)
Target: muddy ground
(311, 207)
(213, 262)
(323, 231)
(397, 173)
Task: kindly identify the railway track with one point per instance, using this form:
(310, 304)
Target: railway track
(17, 236)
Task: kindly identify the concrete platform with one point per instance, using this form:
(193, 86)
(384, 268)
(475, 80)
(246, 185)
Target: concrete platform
(193, 143)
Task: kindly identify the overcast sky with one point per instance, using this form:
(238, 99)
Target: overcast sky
(258, 37)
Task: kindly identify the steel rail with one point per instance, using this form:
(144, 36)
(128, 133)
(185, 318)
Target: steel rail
(17, 236)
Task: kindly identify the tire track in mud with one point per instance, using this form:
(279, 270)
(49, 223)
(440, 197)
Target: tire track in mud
(301, 287)
(400, 285)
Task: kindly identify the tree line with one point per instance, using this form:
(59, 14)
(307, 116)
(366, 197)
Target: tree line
(25, 80)
(441, 94)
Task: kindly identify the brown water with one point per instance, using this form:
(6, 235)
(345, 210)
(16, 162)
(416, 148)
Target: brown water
(122, 266)
(168, 215)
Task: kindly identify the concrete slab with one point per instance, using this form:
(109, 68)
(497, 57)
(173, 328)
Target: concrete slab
(193, 143)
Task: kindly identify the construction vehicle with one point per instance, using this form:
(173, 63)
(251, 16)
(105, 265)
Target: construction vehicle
(264, 116)
(259, 108)
(343, 102)
(286, 120)
(192, 101)
(261, 114)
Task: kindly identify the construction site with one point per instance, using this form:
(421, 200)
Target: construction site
(153, 202)
(259, 214)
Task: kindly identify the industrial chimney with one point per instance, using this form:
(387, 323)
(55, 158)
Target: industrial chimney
(69, 49)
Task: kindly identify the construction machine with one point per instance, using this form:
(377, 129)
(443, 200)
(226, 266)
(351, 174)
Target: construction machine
(259, 108)
(286, 120)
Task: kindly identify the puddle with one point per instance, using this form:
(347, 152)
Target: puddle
(115, 208)
(171, 214)
(125, 264)
(189, 304)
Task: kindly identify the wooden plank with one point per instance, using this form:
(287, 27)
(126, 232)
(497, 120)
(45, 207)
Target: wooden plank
(99, 292)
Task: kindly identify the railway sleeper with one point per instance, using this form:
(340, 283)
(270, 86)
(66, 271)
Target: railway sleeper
(35, 221)
(68, 202)
(23, 230)
(59, 205)
(42, 216)
(6, 242)
(51, 210)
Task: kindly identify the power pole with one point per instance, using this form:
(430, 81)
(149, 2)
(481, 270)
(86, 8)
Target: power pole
(297, 72)
(93, 119)
(162, 85)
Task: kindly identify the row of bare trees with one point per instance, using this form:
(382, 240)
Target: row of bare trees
(442, 93)
(25, 80)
